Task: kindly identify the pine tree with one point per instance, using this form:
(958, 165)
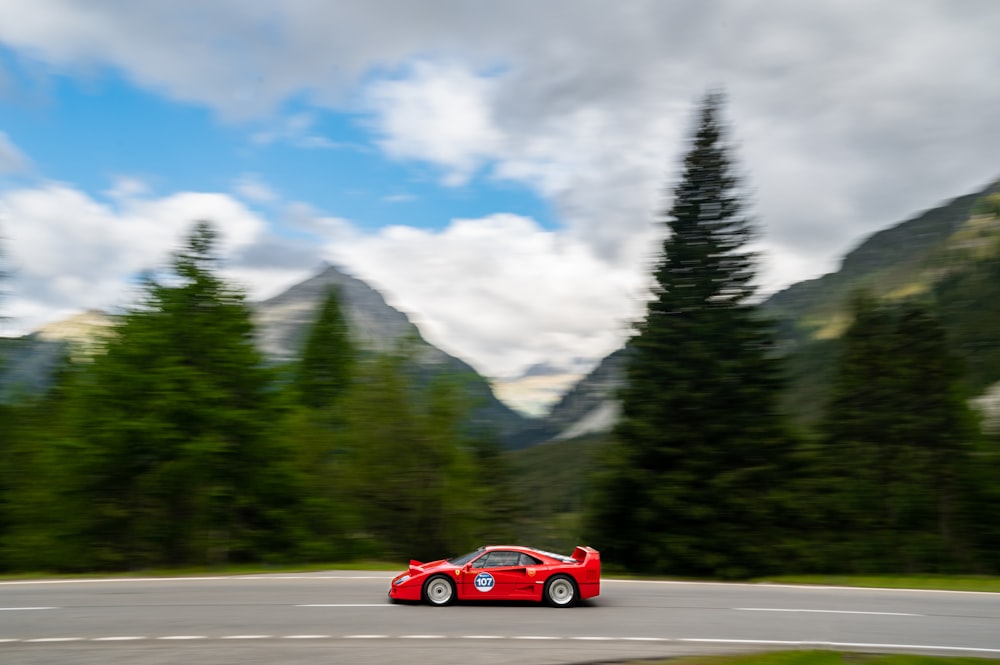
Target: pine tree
(692, 485)
(321, 380)
(176, 414)
(324, 370)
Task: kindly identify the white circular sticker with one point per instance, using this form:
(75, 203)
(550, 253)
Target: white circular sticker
(484, 582)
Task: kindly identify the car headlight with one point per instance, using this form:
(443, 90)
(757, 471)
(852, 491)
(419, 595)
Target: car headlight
(400, 580)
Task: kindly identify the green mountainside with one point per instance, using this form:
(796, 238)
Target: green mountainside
(948, 256)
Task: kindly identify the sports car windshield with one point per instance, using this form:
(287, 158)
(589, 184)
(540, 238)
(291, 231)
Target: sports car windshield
(465, 558)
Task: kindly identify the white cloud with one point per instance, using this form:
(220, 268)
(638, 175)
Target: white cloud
(250, 187)
(399, 198)
(848, 116)
(473, 288)
(440, 113)
(480, 284)
(12, 160)
(127, 187)
(67, 251)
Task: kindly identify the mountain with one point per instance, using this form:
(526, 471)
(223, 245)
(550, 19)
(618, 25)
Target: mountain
(282, 323)
(950, 253)
(590, 407)
(900, 261)
(27, 363)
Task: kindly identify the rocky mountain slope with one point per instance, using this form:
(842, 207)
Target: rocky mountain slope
(940, 253)
(282, 323)
(27, 363)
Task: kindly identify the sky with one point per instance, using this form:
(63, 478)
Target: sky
(496, 170)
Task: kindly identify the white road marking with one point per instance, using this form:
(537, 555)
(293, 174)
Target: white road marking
(204, 578)
(366, 637)
(804, 587)
(593, 639)
(306, 577)
(348, 605)
(680, 640)
(781, 609)
(421, 637)
(305, 637)
(25, 609)
(387, 577)
(535, 637)
(246, 637)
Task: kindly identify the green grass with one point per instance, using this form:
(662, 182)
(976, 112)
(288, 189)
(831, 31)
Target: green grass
(818, 658)
(941, 582)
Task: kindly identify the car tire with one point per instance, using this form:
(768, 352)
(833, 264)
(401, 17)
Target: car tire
(439, 591)
(560, 591)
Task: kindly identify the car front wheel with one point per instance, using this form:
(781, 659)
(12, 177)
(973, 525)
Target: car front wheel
(439, 591)
(560, 591)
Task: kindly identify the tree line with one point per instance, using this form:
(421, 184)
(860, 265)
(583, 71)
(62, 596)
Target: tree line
(178, 444)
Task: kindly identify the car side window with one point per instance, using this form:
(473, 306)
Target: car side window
(528, 560)
(498, 559)
(501, 558)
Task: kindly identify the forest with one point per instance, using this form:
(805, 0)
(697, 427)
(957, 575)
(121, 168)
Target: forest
(175, 444)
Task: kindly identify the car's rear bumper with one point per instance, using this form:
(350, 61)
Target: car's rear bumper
(589, 590)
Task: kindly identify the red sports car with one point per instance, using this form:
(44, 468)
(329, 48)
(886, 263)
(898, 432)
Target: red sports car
(503, 572)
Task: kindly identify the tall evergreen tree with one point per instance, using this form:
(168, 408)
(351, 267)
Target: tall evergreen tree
(314, 428)
(692, 485)
(324, 370)
(176, 416)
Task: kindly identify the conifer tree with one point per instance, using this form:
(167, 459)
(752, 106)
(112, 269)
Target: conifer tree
(324, 370)
(321, 381)
(691, 487)
(176, 415)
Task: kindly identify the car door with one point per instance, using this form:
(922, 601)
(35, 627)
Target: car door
(499, 575)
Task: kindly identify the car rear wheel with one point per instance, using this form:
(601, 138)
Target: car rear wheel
(560, 591)
(439, 591)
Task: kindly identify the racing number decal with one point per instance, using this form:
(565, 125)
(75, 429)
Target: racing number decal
(484, 582)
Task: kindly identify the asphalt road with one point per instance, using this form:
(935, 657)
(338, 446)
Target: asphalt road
(344, 617)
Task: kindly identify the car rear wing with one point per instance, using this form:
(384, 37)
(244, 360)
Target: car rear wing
(590, 559)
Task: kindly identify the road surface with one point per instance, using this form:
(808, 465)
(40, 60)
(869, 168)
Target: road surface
(345, 617)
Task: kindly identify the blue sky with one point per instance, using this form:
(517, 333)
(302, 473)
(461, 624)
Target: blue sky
(494, 169)
(92, 129)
